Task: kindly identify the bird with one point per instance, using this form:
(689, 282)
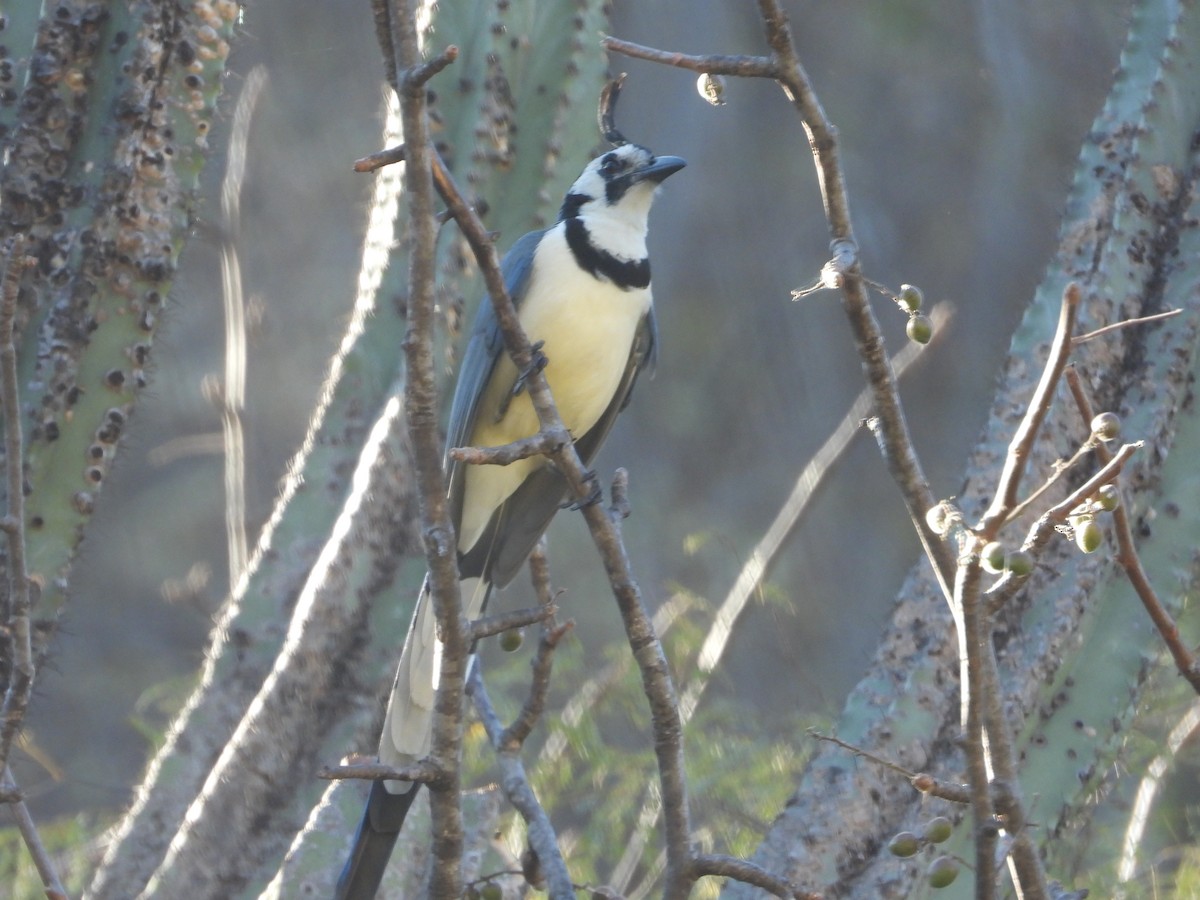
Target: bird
(582, 292)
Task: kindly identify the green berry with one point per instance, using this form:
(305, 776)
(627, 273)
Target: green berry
(1108, 497)
(1088, 535)
(919, 328)
(942, 872)
(911, 297)
(938, 829)
(904, 844)
(1106, 426)
(1019, 563)
(512, 640)
(992, 557)
(491, 891)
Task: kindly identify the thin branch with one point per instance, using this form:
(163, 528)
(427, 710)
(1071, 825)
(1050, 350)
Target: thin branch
(926, 784)
(773, 539)
(421, 408)
(379, 159)
(544, 443)
(714, 64)
(515, 783)
(17, 626)
(975, 633)
(51, 884)
(1021, 445)
(1127, 556)
(722, 866)
(421, 772)
(1059, 471)
(417, 76)
(1044, 528)
(510, 621)
(1125, 323)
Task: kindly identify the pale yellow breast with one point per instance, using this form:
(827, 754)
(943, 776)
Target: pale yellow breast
(587, 336)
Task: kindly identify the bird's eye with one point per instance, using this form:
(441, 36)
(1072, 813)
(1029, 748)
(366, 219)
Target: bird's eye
(610, 165)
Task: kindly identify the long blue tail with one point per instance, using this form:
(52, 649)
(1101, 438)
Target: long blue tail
(377, 833)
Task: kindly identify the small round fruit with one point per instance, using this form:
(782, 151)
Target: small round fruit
(993, 557)
(712, 88)
(942, 872)
(938, 829)
(512, 640)
(1106, 426)
(911, 297)
(1019, 563)
(904, 844)
(1088, 536)
(938, 518)
(491, 891)
(919, 328)
(1108, 497)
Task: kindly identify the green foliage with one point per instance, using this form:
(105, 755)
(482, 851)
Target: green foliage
(70, 843)
(593, 774)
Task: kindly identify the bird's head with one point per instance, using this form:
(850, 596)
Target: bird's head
(620, 184)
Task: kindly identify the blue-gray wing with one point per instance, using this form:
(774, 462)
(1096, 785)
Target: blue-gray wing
(484, 348)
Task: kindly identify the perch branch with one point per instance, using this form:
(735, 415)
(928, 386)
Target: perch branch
(51, 884)
(409, 75)
(1130, 561)
(515, 782)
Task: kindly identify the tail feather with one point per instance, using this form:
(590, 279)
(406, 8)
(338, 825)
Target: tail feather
(407, 732)
(373, 843)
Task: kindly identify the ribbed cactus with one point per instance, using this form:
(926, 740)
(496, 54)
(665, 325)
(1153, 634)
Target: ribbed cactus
(105, 112)
(517, 174)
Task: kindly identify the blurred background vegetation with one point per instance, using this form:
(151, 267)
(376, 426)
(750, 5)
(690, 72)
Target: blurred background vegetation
(960, 126)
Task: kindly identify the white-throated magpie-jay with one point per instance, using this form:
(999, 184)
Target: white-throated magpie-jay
(582, 289)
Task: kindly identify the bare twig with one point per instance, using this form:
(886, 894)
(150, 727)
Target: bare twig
(540, 444)
(511, 620)
(17, 625)
(421, 409)
(419, 772)
(1125, 323)
(1045, 527)
(51, 884)
(1041, 489)
(1039, 405)
(713, 64)
(975, 633)
(517, 789)
(926, 784)
(1130, 561)
(745, 871)
(378, 160)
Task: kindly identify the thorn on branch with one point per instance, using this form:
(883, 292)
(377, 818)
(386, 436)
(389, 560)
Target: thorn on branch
(416, 77)
(379, 159)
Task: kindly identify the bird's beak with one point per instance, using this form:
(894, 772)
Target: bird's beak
(659, 170)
